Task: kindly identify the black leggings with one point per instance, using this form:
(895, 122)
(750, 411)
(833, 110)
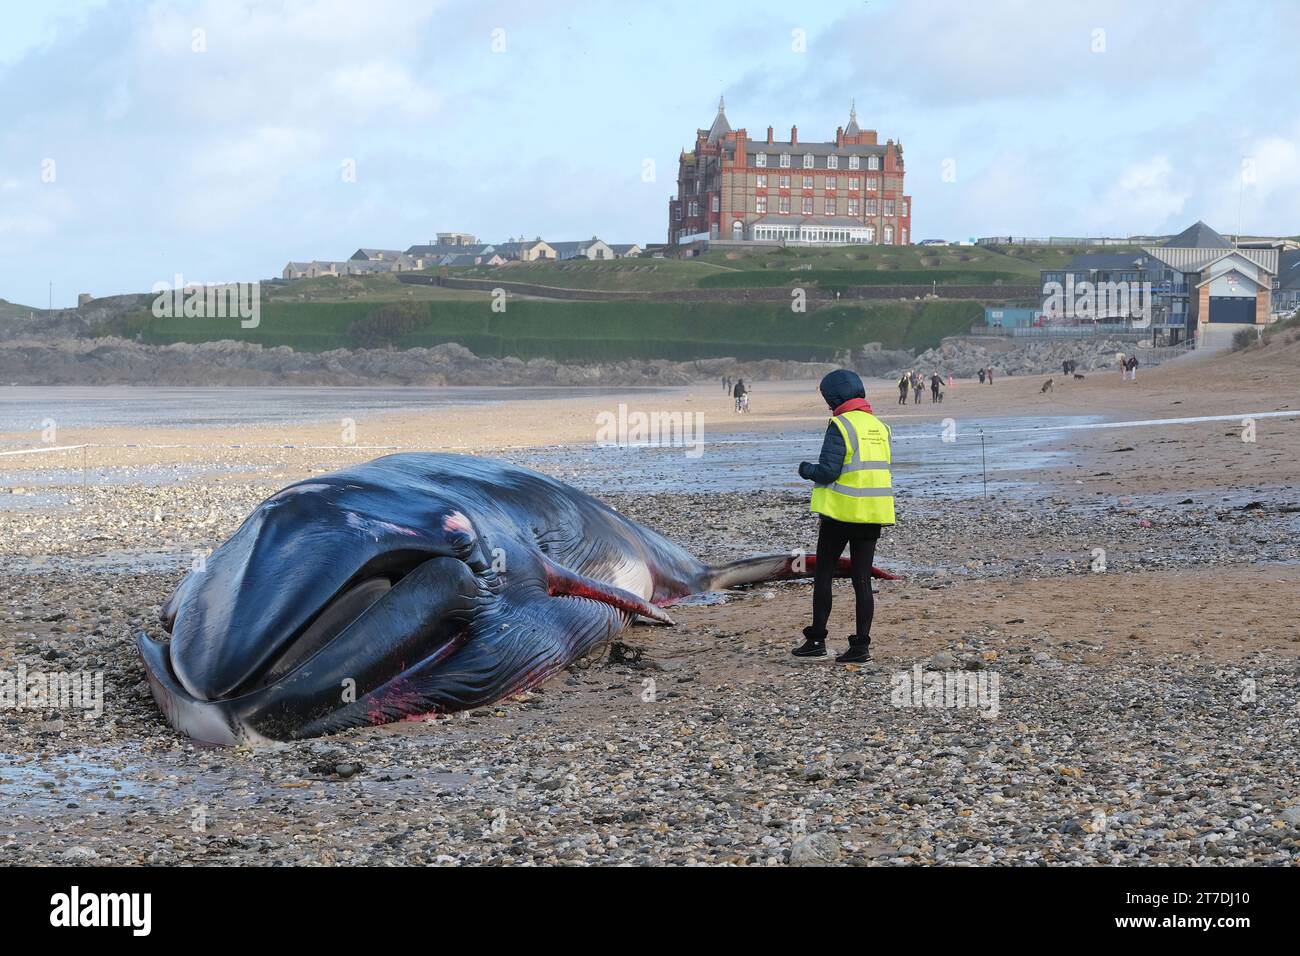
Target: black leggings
(832, 536)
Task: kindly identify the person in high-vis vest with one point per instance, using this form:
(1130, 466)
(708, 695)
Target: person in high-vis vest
(853, 492)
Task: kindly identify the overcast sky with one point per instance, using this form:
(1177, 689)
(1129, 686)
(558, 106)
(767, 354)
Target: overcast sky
(213, 138)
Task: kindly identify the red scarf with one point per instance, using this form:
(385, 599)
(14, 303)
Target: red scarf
(853, 405)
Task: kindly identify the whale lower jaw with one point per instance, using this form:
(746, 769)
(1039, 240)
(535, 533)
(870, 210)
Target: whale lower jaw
(209, 722)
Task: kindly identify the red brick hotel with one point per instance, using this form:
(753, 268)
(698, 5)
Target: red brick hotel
(848, 190)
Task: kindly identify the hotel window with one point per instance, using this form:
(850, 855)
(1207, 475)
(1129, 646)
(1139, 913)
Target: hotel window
(761, 203)
(807, 182)
(830, 182)
(873, 162)
(903, 237)
(853, 162)
(902, 207)
(889, 235)
(762, 181)
(871, 233)
(832, 162)
(871, 207)
(715, 204)
(807, 205)
(853, 207)
(873, 182)
(761, 160)
(785, 160)
(783, 205)
(854, 182)
(807, 160)
(830, 207)
(889, 207)
(784, 182)
(695, 208)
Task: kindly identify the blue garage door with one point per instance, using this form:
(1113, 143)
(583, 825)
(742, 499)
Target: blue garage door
(1232, 308)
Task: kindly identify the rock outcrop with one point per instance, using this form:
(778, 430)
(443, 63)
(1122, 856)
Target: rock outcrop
(112, 361)
(964, 357)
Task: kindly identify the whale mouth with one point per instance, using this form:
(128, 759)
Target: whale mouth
(366, 588)
(404, 610)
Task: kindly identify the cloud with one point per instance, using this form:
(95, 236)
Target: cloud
(209, 137)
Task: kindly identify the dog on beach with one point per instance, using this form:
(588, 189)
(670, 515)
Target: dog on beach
(1047, 387)
(1078, 376)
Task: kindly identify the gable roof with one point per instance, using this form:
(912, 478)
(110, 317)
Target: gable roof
(376, 254)
(1237, 272)
(444, 249)
(1198, 236)
(578, 246)
(521, 245)
(852, 128)
(720, 127)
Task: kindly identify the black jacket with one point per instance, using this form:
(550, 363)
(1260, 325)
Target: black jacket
(837, 388)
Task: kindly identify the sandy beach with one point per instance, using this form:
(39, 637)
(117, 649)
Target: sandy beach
(1132, 590)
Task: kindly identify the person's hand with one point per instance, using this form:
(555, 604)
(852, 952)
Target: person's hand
(804, 468)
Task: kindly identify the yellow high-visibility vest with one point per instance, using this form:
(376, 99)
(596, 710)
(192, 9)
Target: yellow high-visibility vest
(864, 491)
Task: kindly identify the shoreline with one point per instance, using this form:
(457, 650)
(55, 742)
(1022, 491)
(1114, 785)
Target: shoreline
(1120, 682)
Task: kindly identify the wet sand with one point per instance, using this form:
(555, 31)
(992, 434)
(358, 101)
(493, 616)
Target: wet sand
(1146, 712)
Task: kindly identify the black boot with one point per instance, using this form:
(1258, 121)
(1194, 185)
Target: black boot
(814, 644)
(859, 651)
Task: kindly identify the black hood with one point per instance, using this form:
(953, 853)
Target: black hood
(841, 385)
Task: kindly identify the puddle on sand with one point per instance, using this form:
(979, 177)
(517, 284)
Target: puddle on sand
(114, 779)
(26, 408)
(54, 781)
(924, 464)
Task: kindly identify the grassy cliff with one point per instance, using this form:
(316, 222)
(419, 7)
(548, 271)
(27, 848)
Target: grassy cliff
(579, 331)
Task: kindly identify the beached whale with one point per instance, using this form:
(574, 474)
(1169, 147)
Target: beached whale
(412, 584)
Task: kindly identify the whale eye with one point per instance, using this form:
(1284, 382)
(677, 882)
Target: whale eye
(457, 523)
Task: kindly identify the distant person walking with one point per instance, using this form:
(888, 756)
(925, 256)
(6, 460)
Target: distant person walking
(1123, 365)
(902, 389)
(990, 374)
(935, 384)
(981, 376)
(1133, 368)
(918, 386)
(741, 394)
(854, 496)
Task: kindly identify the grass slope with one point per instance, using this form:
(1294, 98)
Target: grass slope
(12, 310)
(592, 331)
(769, 266)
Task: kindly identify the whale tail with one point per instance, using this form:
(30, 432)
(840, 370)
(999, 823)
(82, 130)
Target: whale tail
(775, 567)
